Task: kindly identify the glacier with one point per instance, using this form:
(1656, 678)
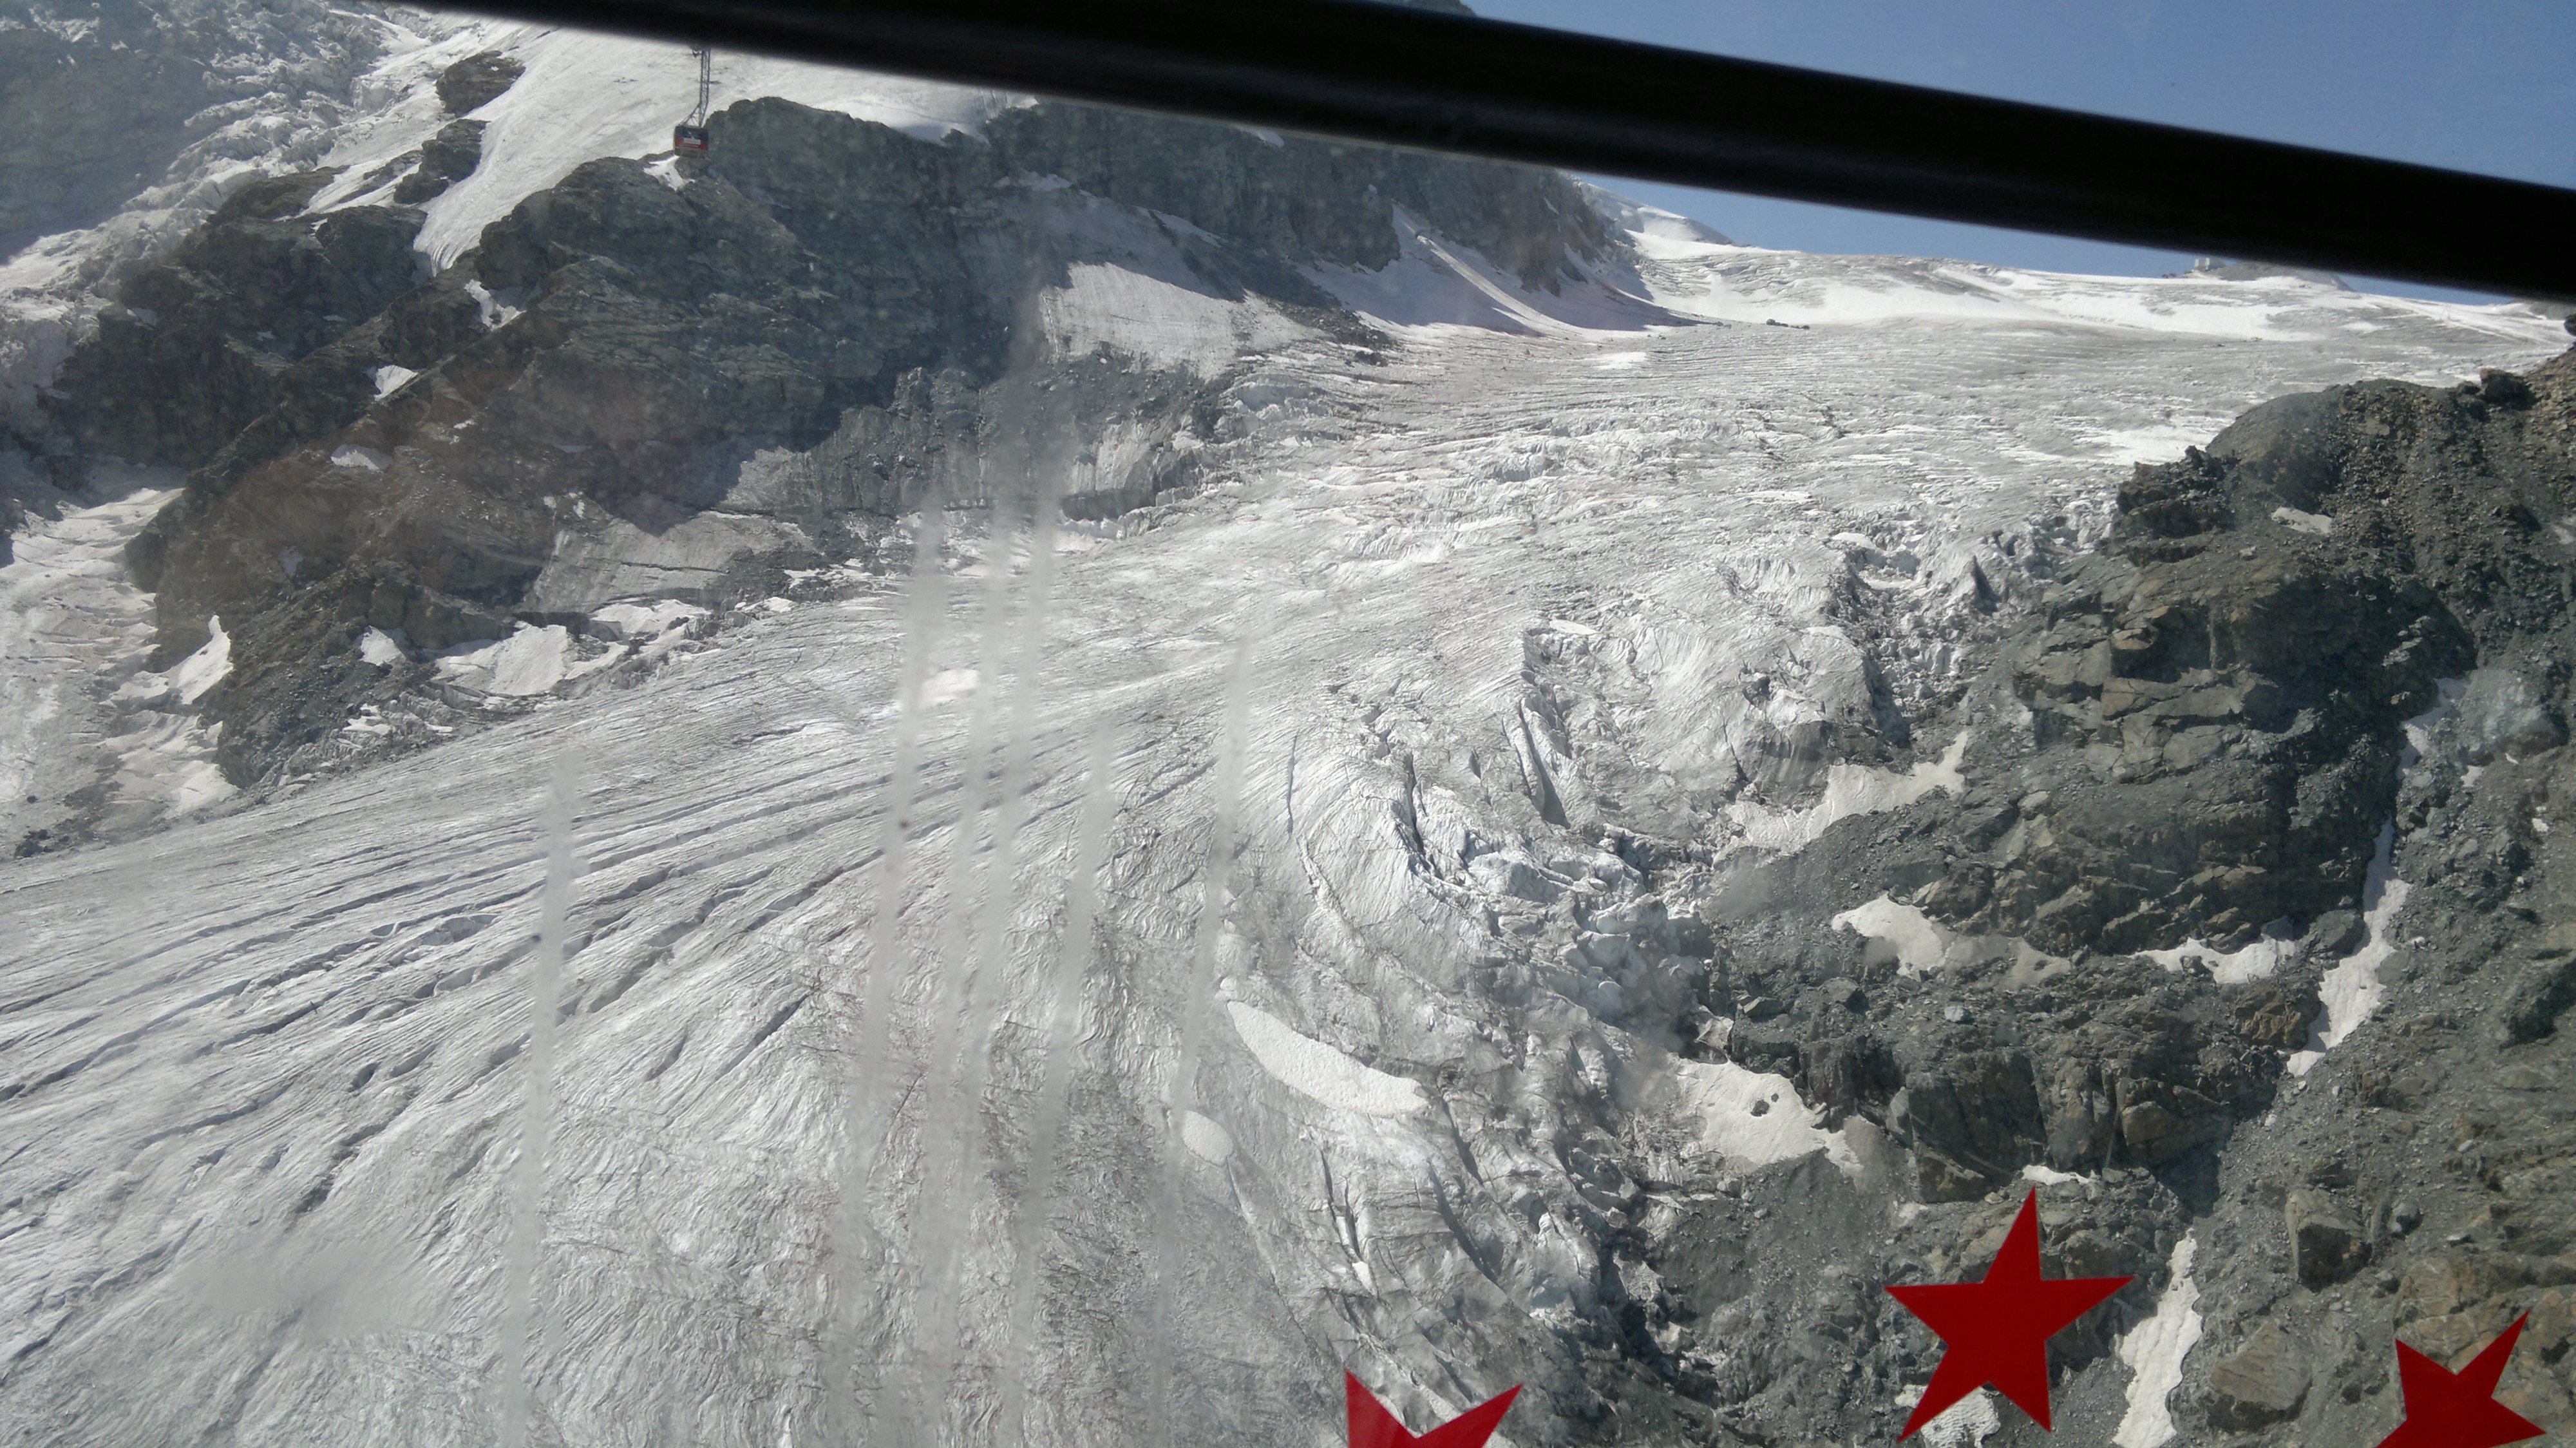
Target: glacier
(1297, 1084)
(269, 1055)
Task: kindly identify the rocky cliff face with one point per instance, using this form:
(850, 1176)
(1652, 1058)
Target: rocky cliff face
(2305, 713)
(672, 380)
(208, 342)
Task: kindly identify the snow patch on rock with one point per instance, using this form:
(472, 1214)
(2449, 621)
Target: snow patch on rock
(2044, 1176)
(530, 661)
(1966, 1423)
(1437, 284)
(1850, 789)
(2259, 959)
(1921, 944)
(380, 648)
(2154, 1351)
(2351, 991)
(1754, 1118)
(1158, 319)
(585, 96)
(198, 673)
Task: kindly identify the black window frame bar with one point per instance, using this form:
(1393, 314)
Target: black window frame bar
(1386, 74)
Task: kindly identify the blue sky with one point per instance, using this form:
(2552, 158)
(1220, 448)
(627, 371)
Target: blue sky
(2480, 85)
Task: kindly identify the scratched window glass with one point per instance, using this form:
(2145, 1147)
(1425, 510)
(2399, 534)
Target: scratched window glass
(698, 749)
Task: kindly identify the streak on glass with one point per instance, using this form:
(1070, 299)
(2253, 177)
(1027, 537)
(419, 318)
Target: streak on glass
(1169, 1277)
(1029, 1214)
(536, 1114)
(925, 609)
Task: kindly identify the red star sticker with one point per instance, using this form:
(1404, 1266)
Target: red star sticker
(1372, 1426)
(2458, 1410)
(1998, 1329)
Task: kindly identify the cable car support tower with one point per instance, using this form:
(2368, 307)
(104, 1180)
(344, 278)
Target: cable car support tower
(690, 136)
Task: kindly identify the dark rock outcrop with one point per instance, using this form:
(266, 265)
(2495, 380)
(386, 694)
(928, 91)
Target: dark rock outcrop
(478, 80)
(2269, 613)
(198, 346)
(449, 157)
(2542, 991)
(2260, 1383)
(2339, 634)
(1302, 200)
(2326, 1244)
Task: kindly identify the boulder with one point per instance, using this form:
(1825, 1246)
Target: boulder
(2327, 1245)
(2334, 934)
(2449, 1282)
(2503, 713)
(2261, 1383)
(2161, 1121)
(478, 80)
(450, 157)
(2277, 1013)
(2541, 992)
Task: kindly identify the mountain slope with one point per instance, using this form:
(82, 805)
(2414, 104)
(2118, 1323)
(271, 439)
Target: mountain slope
(335, 1105)
(1712, 811)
